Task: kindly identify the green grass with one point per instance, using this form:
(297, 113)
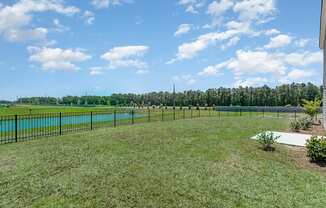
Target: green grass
(204, 162)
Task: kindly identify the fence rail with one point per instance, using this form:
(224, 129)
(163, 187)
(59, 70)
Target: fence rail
(16, 128)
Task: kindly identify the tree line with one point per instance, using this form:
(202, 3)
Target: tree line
(283, 95)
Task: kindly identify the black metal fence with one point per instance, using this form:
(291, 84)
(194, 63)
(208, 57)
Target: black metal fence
(15, 128)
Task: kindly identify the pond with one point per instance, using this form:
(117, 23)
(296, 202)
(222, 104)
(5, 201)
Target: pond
(27, 122)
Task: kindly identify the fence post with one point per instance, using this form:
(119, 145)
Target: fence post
(209, 112)
(115, 118)
(60, 121)
(173, 113)
(219, 114)
(91, 120)
(199, 112)
(184, 113)
(295, 114)
(16, 128)
(278, 113)
(149, 115)
(132, 117)
(240, 112)
(190, 112)
(162, 114)
(264, 113)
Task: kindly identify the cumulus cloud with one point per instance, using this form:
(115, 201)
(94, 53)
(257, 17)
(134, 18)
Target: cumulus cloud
(183, 29)
(16, 20)
(187, 79)
(303, 59)
(192, 6)
(279, 41)
(89, 17)
(97, 70)
(191, 49)
(126, 56)
(213, 70)
(260, 11)
(250, 13)
(278, 65)
(254, 62)
(58, 27)
(102, 4)
(299, 74)
(302, 42)
(218, 8)
(251, 82)
(57, 58)
(272, 32)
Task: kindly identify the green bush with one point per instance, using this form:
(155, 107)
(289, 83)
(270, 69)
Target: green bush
(311, 108)
(305, 123)
(316, 149)
(267, 139)
(295, 126)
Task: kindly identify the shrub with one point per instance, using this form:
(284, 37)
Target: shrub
(305, 123)
(316, 149)
(311, 108)
(295, 126)
(267, 139)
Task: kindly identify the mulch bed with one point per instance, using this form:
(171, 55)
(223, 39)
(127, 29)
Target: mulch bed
(317, 129)
(299, 154)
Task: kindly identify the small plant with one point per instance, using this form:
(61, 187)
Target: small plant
(295, 126)
(267, 139)
(316, 149)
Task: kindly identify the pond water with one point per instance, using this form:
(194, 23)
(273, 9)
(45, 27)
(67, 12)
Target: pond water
(44, 122)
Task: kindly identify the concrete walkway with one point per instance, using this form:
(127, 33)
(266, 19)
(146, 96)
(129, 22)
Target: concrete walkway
(294, 139)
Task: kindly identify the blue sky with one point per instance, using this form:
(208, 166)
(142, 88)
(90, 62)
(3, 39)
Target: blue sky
(99, 47)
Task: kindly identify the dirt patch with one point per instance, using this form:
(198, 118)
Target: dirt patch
(299, 154)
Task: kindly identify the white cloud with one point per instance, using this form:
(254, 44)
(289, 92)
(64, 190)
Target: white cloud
(254, 62)
(277, 65)
(299, 74)
(97, 70)
(183, 29)
(126, 56)
(102, 4)
(187, 79)
(251, 82)
(59, 27)
(213, 70)
(218, 8)
(16, 20)
(191, 5)
(191, 49)
(302, 42)
(88, 17)
(232, 42)
(142, 71)
(57, 58)
(272, 32)
(256, 10)
(303, 59)
(279, 41)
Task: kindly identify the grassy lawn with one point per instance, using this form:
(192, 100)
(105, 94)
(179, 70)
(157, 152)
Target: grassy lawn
(203, 162)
